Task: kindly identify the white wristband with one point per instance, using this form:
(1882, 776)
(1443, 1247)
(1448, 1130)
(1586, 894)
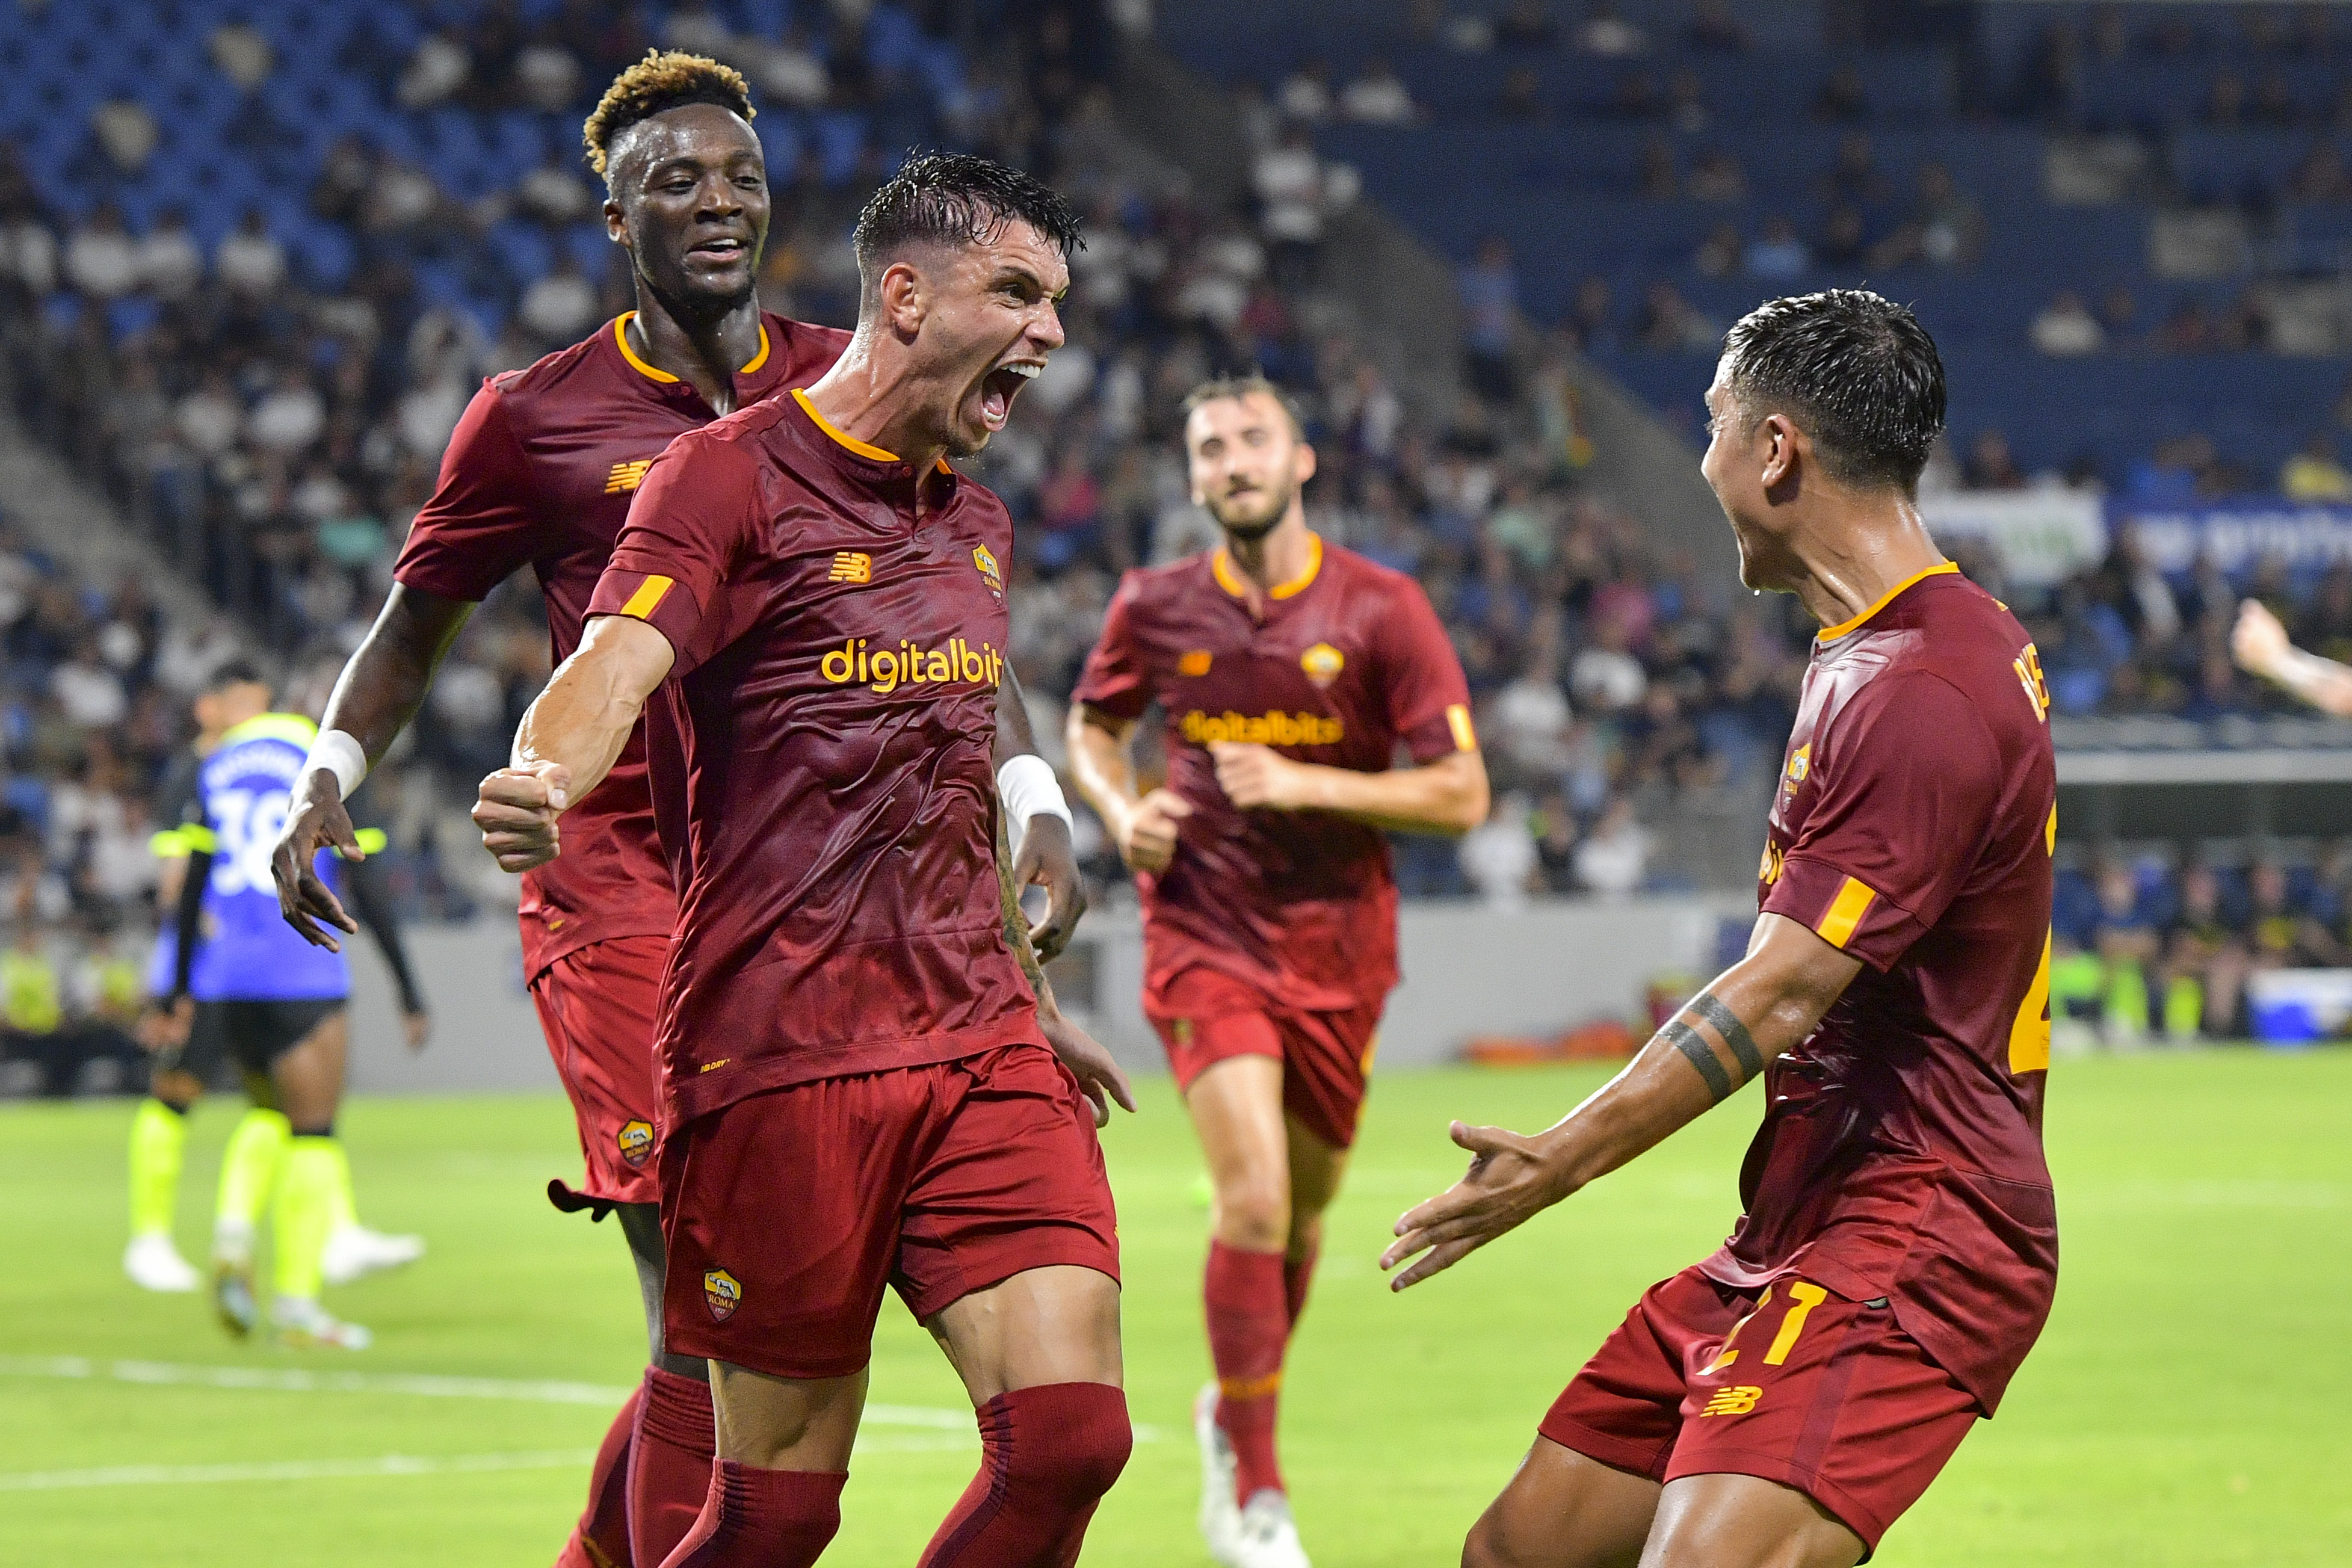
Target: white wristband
(340, 753)
(1028, 788)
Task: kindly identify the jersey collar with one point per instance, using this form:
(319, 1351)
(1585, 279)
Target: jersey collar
(1831, 634)
(751, 369)
(878, 466)
(292, 728)
(1222, 565)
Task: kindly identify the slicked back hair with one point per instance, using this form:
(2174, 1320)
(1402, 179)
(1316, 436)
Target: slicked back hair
(1856, 370)
(1251, 384)
(957, 199)
(655, 85)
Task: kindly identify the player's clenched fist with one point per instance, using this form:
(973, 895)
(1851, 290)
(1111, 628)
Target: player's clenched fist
(517, 811)
(1146, 834)
(1252, 776)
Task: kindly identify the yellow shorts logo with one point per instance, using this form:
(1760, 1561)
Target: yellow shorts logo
(1738, 1400)
(1775, 861)
(721, 1294)
(905, 663)
(851, 566)
(1261, 729)
(1322, 664)
(636, 1141)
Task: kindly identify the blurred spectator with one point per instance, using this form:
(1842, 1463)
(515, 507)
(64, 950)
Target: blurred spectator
(561, 305)
(1519, 96)
(250, 261)
(242, 53)
(125, 132)
(2119, 317)
(1305, 93)
(2321, 176)
(101, 259)
(2065, 327)
(2314, 472)
(435, 70)
(1671, 325)
(2188, 331)
(1990, 466)
(1842, 99)
(1687, 109)
(1853, 174)
(2225, 102)
(1297, 193)
(1605, 32)
(1715, 30)
(1499, 855)
(1945, 227)
(1716, 176)
(1613, 860)
(1777, 254)
(1490, 308)
(1377, 96)
(1718, 254)
(1658, 177)
(170, 264)
(1604, 676)
(1844, 241)
(1526, 25)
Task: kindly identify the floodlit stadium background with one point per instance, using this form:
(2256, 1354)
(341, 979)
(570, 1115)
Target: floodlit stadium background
(255, 256)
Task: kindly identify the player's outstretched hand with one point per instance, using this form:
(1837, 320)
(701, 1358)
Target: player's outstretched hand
(517, 811)
(1255, 777)
(315, 820)
(1096, 1072)
(1147, 835)
(2258, 642)
(1048, 860)
(1508, 1182)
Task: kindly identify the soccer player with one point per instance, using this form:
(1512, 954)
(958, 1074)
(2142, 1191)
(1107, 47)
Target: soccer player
(280, 1007)
(540, 472)
(859, 1088)
(159, 1129)
(1290, 672)
(2261, 647)
(1783, 1400)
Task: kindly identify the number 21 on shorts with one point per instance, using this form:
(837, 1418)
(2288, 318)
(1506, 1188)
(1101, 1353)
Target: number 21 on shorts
(1804, 1297)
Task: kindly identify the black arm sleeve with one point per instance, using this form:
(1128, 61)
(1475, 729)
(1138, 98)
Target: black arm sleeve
(187, 920)
(373, 904)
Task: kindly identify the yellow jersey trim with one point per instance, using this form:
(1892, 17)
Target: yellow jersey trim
(647, 598)
(621, 336)
(1221, 565)
(292, 728)
(1853, 901)
(1831, 634)
(862, 448)
(757, 360)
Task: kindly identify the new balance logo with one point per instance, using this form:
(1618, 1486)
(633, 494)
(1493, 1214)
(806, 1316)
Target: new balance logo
(1738, 1400)
(851, 566)
(626, 476)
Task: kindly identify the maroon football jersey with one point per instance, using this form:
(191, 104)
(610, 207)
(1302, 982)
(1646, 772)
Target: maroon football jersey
(1348, 663)
(1901, 1149)
(540, 472)
(830, 727)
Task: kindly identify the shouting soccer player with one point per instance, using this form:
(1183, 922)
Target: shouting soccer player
(858, 1084)
(1785, 1400)
(1290, 670)
(540, 472)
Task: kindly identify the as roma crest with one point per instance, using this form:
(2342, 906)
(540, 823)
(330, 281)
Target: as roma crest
(721, 1294)
(1322, 664)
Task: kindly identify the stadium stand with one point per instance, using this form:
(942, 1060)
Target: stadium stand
(254, 258)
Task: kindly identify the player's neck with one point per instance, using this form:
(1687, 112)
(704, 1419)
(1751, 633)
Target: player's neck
(1283, 555)
(882, 400)
(1856, 554)
(704, 351)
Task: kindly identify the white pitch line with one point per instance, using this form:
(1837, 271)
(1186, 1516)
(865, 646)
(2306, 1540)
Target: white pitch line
(294, 1380)
(291, 1470)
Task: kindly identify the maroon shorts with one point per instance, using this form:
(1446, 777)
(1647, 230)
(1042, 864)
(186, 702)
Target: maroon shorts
(596, 1009)
(1326, 1057)
(787, 1212)
(1798, 1385)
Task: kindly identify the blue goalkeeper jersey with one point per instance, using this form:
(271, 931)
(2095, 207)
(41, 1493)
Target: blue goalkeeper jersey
(249, 952)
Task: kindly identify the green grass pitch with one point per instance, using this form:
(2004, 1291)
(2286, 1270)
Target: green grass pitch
(2185, 1406)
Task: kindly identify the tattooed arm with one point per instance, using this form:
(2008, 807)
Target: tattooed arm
(1764, 1004)
(1096, 1072)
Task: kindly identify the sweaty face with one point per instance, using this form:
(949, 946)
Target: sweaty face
(690, 199)
(988, 315)
(1733, 468)
(1247, 462)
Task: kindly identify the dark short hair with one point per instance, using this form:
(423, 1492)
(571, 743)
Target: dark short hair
(655, 85)
(1217, 389)
(1856, 370)
(235, 672)
(956, 198)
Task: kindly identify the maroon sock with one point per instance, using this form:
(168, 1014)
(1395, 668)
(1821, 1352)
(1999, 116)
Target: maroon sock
(1248, 1327)
(601, 1539)
(1298, 1274)
(1047, 1454)
(761, 1519)
(669, 1463)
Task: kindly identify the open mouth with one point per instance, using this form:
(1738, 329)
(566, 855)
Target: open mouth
(999, 388)
(726, 249)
